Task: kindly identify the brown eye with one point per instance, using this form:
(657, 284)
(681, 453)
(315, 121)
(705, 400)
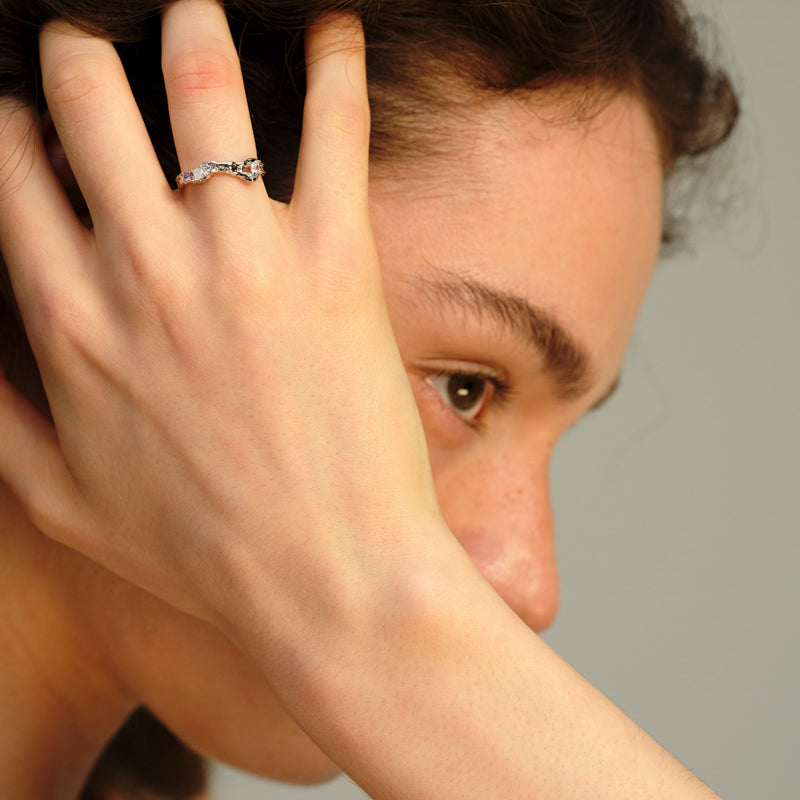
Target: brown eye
(465, 391)
(466, 394)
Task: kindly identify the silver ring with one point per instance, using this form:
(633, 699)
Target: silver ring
(251, 169)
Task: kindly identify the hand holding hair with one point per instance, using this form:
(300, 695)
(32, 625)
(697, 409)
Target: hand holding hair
(216, 364)
(189, 342)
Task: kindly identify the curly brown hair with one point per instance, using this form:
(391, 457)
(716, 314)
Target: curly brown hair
(423, 57)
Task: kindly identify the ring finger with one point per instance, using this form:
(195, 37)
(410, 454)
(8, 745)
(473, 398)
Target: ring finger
(207, 102)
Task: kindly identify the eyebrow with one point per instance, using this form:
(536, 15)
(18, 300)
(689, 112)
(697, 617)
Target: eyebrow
(565, 359)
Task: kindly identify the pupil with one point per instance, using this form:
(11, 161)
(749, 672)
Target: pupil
(465, 391)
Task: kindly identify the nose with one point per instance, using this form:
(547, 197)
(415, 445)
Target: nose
(499, 509)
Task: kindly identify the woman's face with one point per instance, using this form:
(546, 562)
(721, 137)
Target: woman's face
(513, 274)
(513, 277)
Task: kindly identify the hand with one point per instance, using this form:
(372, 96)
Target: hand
(223, 379)
(231, 415)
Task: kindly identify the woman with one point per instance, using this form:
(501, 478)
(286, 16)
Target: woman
(236, 521)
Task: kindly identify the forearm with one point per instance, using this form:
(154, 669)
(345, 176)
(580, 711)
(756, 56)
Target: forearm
(436, 689)
(217, 365)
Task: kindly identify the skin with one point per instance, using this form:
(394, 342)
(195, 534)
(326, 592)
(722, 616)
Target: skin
(491, 480)
(565, 217)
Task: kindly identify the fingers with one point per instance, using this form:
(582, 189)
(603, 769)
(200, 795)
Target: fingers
(38, 228)
(207, 102)
(333, 167)
(99, 124)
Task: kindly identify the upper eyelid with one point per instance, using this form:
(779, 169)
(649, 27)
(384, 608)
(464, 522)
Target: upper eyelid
(458, 367)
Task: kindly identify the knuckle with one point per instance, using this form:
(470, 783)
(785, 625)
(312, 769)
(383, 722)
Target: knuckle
(200, 71)
(339, 115)
(76, 80)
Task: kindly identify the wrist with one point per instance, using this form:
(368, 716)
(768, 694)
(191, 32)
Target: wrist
(298, 618)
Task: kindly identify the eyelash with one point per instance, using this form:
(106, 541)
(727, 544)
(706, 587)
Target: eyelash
(501, 391)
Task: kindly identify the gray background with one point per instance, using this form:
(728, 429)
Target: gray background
(676, 506)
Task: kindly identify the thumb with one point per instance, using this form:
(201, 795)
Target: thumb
(31, 462)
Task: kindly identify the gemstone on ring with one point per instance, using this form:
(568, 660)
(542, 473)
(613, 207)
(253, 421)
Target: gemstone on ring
(252, 169)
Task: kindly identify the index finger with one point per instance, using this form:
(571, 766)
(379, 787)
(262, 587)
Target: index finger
(333, 165)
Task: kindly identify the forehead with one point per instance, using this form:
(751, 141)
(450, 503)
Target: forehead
(562, 211)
